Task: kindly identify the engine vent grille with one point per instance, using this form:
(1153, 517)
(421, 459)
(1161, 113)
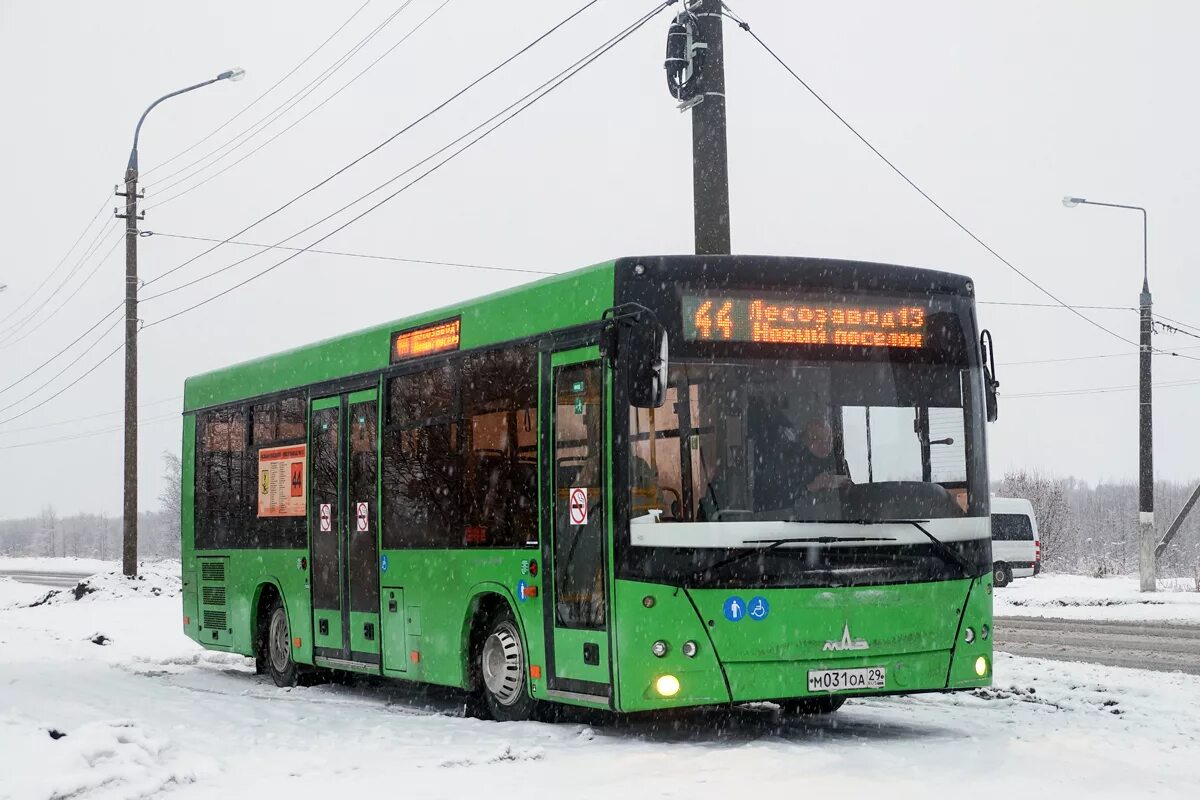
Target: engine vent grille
(214, 619)
(212, 571)
(214, 595)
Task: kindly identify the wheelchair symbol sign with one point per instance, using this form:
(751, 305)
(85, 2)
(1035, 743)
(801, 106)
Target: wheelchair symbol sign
(758, 608)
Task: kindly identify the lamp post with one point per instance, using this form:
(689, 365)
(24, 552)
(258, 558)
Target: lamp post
(1146, 544)
(130, 521)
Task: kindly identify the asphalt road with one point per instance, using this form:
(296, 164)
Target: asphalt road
(55, 580)
(1144, 645)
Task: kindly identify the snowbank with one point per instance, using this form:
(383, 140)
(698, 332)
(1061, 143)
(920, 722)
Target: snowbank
(81, 566)
(15, 593)
(158, 579)
(1081, 597)
(148, 712)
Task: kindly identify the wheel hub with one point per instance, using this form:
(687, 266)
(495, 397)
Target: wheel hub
(280, 644)
(501, 664)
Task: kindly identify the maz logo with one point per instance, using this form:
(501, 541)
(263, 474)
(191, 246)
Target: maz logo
(846, 642)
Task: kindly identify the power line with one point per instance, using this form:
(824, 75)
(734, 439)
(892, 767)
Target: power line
(293, 124)
(1125, 354)
(1171, 329)
(88, 434)
(746, 27)
(73, 420)
(54, 357)
(1052, 305)
(66, 255)
(553, 84)
(58, 374)
(489, 267)
(255, 101)
(1101, 390)
(1177, 322)
(383, 143)
(286, 105)
(66, 388)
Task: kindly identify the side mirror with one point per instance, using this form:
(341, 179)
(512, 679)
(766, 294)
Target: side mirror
(642, 359)
(990, 384)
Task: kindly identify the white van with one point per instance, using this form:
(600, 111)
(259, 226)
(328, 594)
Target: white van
(1016, 546)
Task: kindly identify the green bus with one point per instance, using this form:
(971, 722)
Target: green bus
(650, 483)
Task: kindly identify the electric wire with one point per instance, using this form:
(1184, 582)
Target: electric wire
(88, 434)
(256, 100)
(71, 249)
(552, 84)
(295, 122)
(382, 144)
(58, 374)
(286, 105)
(903, 176)
(89, 417)
(1100, 390)
(489, 267)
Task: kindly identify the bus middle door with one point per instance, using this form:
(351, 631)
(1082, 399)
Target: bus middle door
(345, 530)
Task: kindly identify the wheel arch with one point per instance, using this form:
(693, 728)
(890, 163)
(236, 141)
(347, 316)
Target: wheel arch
(265, 593)
(484, 600)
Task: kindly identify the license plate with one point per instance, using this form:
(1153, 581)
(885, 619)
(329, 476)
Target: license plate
(841, 680)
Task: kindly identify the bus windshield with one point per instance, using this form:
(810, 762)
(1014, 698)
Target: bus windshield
(795, 441)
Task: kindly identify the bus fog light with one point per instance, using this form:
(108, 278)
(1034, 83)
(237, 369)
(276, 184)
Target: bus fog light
(981, 666)
(969, 635)
(667, 685)
(985, 632)
(659, 648)
(689, 649)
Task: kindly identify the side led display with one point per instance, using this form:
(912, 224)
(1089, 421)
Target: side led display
(426, 340)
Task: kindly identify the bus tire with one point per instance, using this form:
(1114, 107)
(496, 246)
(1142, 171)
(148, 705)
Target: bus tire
(277, 648)
(809, 706)
(500, 665)
(1001, 575)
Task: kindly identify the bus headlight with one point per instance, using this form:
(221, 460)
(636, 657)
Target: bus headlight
(969, 635)
(667, 685)
(981, 666)
(659, 648)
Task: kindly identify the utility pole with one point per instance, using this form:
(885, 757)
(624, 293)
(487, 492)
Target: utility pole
(1147, 558)
(129, 509)
(130, 512)
(710, 154)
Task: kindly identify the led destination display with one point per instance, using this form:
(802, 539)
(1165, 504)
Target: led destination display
(786, 319)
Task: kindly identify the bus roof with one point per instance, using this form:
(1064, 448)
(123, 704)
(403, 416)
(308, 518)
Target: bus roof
(570, 298)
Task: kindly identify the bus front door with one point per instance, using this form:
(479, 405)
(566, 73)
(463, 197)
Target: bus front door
(344, 530)
(577, 608)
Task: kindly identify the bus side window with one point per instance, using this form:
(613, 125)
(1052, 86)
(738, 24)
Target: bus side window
(224, 478)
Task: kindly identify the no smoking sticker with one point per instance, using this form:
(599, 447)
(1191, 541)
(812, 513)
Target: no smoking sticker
(362, 517)
(326, 517)
(578, 506)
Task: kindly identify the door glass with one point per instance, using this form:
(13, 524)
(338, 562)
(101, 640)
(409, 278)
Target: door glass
(364, 553)
(325, 511)
(579, 526)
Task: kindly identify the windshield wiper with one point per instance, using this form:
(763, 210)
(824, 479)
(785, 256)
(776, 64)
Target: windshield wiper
(771, 544)
(943, 549)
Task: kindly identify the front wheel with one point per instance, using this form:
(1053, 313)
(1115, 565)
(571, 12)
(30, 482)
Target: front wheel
(500, 665)
(1001, 575)
(811, 705)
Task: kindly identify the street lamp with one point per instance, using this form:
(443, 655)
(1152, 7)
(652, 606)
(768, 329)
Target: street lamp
(129, 533)
(1146, 544)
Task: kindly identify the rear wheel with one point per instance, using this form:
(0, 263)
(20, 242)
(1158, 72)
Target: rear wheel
(278, 647)
(811, 705)
(1001, 575)
(500, 667)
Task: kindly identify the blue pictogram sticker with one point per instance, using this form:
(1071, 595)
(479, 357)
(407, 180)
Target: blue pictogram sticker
(758, 609)
(735, 608)
(521, 591)
(383, 563)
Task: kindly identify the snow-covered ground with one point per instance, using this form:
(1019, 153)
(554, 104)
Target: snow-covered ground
(139, 710)
(1081, 597)
(45, 564)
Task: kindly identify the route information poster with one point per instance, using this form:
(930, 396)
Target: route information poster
(281, 474)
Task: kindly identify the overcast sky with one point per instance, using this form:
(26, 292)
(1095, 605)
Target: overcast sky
(997, 110)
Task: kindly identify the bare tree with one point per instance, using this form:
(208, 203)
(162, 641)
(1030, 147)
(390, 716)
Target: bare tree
(172, 493)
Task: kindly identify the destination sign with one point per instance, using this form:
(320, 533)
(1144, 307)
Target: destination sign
(772, 318)
(426, 340)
